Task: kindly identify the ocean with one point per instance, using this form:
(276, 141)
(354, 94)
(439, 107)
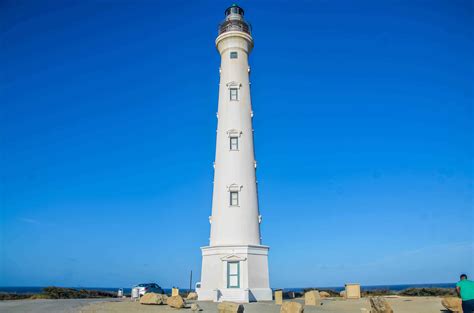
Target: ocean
(23, 290)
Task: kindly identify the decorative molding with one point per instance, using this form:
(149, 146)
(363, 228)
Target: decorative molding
(234, 133)
(233, 84)
(234, 187)
(232, 257)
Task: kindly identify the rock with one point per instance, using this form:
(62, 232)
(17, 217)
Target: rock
(324, 294)
(291, 307)
(152, 298)
(195, 307)
(312, 298)
(343, 294)
(230, 307)
(176, 302)
(279, 297)
(192, 296)
(453, 304)
(379, 305)
(174, 291)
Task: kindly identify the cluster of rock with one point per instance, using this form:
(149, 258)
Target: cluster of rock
(379, 305)
(311, 298)
(176, 301)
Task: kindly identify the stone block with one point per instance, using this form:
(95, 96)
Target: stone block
(352, 291)
(230, 307)
(279, 297)
(312, 298)
(291, 307)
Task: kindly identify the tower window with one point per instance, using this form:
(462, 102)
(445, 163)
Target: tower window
(233, 55)
(234, 94)
(233, 275)
(234, 198)
(234, 143)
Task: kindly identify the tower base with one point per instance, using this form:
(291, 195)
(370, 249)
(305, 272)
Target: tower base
(237, 273)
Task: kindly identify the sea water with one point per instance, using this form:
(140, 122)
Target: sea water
(28, 290)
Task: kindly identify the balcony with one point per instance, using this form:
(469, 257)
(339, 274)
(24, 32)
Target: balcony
(235, 25)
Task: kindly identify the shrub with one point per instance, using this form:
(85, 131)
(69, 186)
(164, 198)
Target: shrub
(377, 292)
(14, 296)
(69, 293)
(427, 292)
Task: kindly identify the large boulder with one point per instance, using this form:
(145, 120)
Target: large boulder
(176, 302)
(152, 298)
(291, 307)
(324, 294)
(453, 304)
(312, 298)
(230, 307)
(192, 296)
(379, 305)
(343, 294)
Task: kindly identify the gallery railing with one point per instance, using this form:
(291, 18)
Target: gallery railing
(235, 25)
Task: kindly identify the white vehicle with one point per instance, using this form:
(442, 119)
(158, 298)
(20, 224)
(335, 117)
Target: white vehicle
(140, 289)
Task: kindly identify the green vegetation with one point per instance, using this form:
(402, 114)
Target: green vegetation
(428, 292)
(59, 293)
(69, 293)
(13, 296)
(377, 292)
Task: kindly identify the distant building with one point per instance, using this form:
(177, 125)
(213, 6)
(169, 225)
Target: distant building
(235, 264)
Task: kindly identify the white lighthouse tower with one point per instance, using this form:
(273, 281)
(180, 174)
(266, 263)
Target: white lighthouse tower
(235, 264)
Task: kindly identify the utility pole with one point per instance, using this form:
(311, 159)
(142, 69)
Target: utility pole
(191, 281)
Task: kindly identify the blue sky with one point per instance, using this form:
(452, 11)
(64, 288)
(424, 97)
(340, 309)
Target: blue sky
(363, 132)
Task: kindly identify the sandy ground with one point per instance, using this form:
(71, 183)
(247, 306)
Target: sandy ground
(400, 305)
(47, 306)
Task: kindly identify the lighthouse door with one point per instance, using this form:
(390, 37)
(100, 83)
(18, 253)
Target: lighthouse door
(233, 274)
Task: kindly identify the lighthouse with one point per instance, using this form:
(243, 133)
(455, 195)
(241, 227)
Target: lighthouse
(235, 264)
